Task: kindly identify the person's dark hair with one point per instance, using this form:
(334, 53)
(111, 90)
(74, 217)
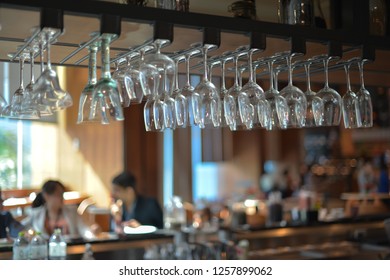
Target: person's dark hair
(126, 180)
(49, 187)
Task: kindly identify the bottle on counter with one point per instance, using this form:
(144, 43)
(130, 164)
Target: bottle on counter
(57, 246)
(20, 250)
(88, 254)
(38, 247)
(174, 214)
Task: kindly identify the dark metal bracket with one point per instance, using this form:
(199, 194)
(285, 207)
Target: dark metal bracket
(163, 31)
(212, 36)
(258, 40)
(298, 45)
(335, 49)
(52, 18)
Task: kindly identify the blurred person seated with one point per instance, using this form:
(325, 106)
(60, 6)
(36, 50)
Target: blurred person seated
(49, 213)
(130, 208)
(366, 176)
(9, 227)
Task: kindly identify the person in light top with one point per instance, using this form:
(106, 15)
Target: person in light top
(49, 213)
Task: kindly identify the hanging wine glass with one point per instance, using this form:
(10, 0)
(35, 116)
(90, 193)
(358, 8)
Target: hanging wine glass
(29, 106)
(206, 104)
(350, 103)
(150, 77)
(231, 105)
(48, 85)
(169, 108)
(86, 95)
(136, 87)
(187, 92)
(125, 84)
(105, 97)
(158, 70)
(38, 96)
(276, 116)
(181, 103)
(364, 100)
(331, 100)
(226, 56)
(250, 96)
(14, 109)
(295, 98)
(315, 106)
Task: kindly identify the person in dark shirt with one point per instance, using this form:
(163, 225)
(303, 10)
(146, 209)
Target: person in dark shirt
(130, 208)
(9, 227)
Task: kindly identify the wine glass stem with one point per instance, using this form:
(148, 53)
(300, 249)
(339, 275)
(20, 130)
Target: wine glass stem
(250, 63)
(223, 64)
(32, 80)
(205, 77)
(271, 74)
(326, 65)
(346, 67)
(48, 62)
(21, 67)
(41, 55)
(211, 71)
(276, 75)
(360, 64)
(236, 70)
(307, 69)
(289, 67)
(188, 70)
(106, 58)
(92, 66)
(177, 75)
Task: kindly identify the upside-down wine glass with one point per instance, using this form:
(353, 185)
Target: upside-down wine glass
(350, 104)
(278, 110)
(295, 98)
(48, 85)
(206, 103)
(364, 99)
(86, 95)
(226, 56)
(37, 96)
(250, 96)
(169, 107)
(187, 92)
(105, 97)
(14, 109)
(136, 76)
(331, 100)
(159, 70)
(315, 106)
(29, 106)
(230, 102)
(181, 103)
(125, 84)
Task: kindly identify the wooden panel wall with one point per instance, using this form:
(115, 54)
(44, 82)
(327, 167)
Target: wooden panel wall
(143, 152)
(100, 147)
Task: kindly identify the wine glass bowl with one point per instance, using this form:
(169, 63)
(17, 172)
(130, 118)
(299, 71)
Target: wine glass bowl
(206, 103)
(331, 98)
(364, 99)
(250, 96)
(350, 103)
(231, 100)
(295, 98)
(315, 106)
(105, 97)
